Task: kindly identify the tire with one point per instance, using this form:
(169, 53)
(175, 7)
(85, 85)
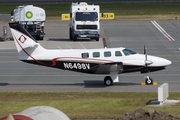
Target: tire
(108, 81)
(97, 39)
(70, 34)
(149, 81)
(41, 38)
(74, 38)
(37, 37)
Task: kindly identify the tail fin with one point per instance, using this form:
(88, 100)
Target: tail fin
(25, 43)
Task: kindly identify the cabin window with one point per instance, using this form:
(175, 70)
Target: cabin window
(107, 54)
(96, 54)
(85, 55)
(128, 52)
(118, 53)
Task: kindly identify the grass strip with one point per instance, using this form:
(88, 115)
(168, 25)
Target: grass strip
(84, 105)
(158, 8)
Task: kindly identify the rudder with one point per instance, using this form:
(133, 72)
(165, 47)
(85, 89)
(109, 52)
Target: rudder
(25, 43)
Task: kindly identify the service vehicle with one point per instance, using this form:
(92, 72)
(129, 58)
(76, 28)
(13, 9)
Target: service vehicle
(84, 21)
(32, 18)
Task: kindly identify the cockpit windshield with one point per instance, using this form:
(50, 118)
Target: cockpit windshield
(128, 52)
(86, 16)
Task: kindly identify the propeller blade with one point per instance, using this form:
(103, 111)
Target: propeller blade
(145, 51)
(146, 62)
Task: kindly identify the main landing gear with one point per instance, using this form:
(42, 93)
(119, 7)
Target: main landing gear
(114, 70)
(108, 81)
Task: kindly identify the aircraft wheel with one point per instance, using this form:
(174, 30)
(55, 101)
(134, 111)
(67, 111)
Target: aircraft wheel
(149, 81)
(108, 81)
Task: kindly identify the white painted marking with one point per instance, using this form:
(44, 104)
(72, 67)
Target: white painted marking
(162, 30)
(68, 46)
(59, 47)
(81, 45)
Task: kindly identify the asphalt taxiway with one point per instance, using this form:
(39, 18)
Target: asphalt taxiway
(18, 76)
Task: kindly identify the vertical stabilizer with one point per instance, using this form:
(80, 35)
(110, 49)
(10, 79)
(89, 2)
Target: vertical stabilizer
(25, 43)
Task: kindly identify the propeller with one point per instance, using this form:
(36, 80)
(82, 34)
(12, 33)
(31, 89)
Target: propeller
(147, 62)
(145, 53)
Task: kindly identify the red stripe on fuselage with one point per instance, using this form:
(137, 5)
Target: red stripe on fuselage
(53, 60)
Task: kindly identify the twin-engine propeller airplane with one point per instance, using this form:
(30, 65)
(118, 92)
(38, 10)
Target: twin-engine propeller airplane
(112, 61)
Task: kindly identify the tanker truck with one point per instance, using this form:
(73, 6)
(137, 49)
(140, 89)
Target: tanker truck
(32, 18)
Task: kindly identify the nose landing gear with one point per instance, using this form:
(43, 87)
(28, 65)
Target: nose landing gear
(148, 80)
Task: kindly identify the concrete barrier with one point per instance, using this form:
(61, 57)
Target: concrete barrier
(163, 93)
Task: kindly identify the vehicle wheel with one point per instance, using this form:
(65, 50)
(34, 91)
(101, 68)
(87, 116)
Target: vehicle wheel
(97, 39)
(37, 37)
(41, 38)
(70, 34)
(108, 81)
(149, 81)
(74, 38)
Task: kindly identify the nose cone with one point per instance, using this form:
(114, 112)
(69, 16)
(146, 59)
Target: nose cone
(157, 61)
(168, 62)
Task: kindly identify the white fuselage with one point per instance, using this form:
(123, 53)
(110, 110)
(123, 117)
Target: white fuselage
(74, 59)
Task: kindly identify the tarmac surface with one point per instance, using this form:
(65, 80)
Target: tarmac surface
(18, 76)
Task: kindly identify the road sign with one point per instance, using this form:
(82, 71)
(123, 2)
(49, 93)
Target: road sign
(106, 15)
(65, 16)
(101, 15)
